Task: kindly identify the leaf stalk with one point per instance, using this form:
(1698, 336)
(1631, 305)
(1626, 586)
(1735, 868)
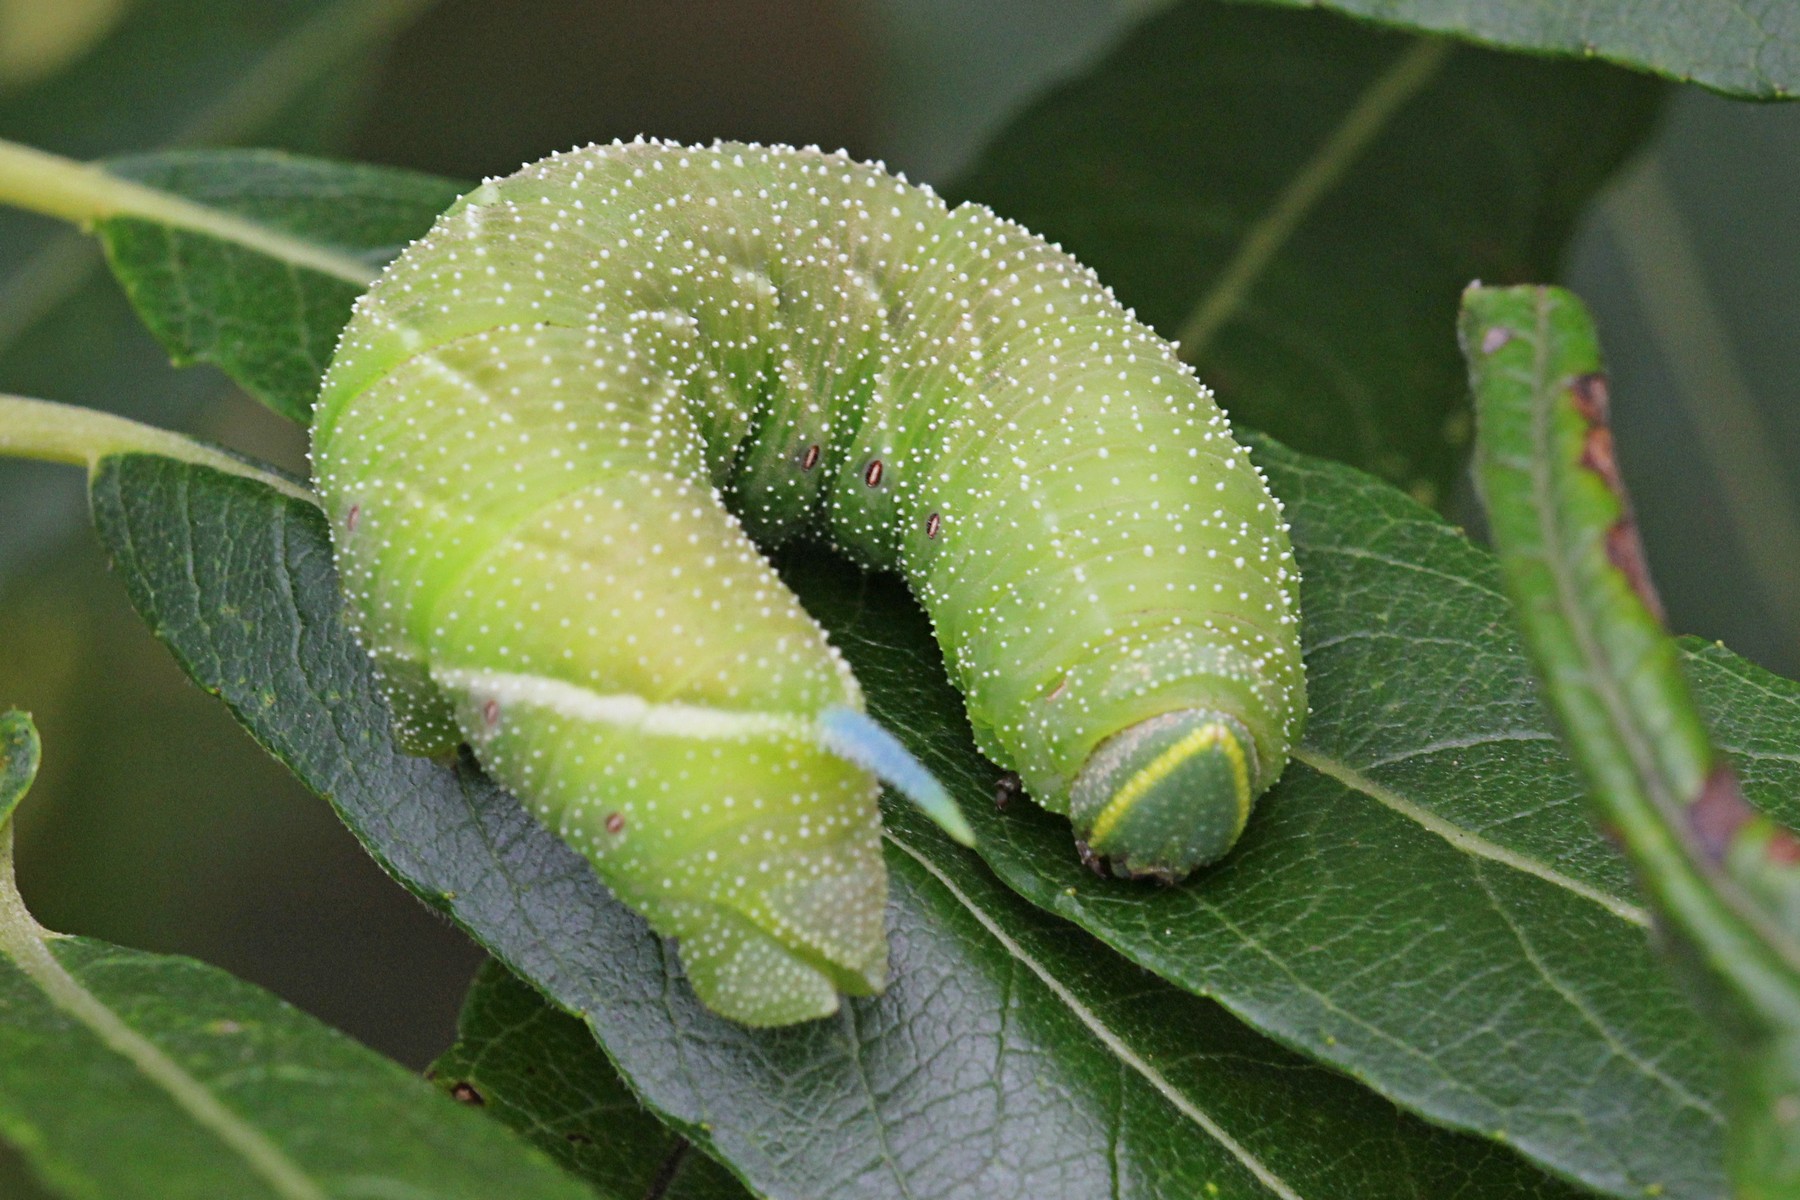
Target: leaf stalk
(69, 433)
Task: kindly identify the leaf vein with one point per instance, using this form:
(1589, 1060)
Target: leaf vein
(1104, 1033)
(1464, 840)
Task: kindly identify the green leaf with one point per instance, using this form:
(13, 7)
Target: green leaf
(1299, 201)
(267, 314)
(125, 1074)
(1721, 875)
(1742, 49)
(1421, 901)
(251, 1098)
(1010, 1056)
(540, 1071)
(250, 260)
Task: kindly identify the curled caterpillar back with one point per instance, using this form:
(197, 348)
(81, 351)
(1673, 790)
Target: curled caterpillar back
(554, 426)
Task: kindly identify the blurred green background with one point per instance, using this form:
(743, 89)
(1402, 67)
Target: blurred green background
(156, 823)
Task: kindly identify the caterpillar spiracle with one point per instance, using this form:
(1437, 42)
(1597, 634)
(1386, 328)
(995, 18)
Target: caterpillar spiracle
(558, 428)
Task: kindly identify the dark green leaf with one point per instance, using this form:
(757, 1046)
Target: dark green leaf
(270, 323)
(125, 1074)
(1011, 1056)
(1421, 901)
(313, 1114)
(1300, 200)
(539, 1070)
(184, 71)
(1741, 47)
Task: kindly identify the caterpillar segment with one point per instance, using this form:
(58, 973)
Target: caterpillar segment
(561, 429)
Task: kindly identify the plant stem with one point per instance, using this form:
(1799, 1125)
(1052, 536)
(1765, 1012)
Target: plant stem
(68, 433)
(84, 194)
(59, 187)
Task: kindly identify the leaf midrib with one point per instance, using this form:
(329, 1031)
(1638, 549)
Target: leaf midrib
(1102, 1032)
(90, 196)
(1402, 79)
(1465, 840)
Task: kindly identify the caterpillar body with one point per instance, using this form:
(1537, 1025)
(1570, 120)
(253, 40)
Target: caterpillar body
(558, 428)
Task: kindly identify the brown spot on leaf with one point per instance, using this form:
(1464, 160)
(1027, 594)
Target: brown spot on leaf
(1597, 456)
(1593, 397)
(1718, 814)
(1624, 548)
(465, 1093)
(615, 823)
(1626, 552)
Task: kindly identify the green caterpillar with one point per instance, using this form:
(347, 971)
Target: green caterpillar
(560, 425)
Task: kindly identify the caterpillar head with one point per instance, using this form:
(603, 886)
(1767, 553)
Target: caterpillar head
(1165, 796)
